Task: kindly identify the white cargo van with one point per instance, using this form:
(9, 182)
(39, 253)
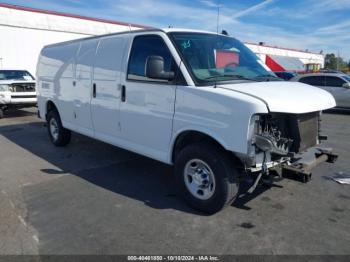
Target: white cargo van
(197, 100)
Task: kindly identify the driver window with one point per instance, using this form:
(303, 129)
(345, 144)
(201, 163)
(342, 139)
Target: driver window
(143, 47)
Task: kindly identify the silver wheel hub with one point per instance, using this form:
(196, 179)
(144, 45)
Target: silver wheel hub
(199, 179)
(53, 128)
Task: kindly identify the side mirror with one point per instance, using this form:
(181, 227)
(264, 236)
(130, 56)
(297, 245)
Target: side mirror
(346, 85)
(155, 69)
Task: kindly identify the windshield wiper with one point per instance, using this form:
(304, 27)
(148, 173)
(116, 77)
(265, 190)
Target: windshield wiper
(234, 77)
(268, 77)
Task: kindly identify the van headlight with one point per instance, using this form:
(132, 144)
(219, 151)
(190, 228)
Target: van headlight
(5, 88)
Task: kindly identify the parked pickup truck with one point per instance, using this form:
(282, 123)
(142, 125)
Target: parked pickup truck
(17, 89)
(200, 101)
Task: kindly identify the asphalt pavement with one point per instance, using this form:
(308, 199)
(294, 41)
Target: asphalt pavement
(93, 198)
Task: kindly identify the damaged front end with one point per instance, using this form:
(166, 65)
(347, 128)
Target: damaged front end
(287, 143)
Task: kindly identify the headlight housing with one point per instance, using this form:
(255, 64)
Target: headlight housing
(252, 131)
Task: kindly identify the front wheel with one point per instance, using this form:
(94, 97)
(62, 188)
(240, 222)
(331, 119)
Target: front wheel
(58, 134)
(206, 177)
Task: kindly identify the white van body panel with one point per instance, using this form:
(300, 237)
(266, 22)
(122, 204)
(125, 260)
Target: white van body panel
(109, 58)
(55, 77)
(83, 82)
(222, 114)
(155, 114)
(65, 77)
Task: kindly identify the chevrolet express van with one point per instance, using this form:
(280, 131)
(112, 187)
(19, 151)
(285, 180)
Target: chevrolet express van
(200, 101)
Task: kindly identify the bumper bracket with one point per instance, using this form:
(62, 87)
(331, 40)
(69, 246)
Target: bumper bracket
(302, 167)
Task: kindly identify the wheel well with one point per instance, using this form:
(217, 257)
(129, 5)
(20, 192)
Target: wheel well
(189, 137)
(50, 106)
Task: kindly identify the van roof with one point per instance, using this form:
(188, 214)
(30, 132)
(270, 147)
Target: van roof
(165, 30)
(170, 30)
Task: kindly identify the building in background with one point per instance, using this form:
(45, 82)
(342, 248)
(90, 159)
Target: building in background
(284, 59)
(24, 31)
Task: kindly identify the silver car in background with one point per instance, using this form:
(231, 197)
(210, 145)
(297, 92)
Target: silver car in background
(336, 83)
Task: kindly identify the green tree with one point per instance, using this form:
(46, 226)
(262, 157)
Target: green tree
(331, 61)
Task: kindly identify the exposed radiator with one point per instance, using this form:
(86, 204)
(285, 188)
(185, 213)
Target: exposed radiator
(305, 131)
(302, 129)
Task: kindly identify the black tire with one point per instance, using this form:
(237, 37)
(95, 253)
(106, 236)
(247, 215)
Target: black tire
(1, 113)
(223, 169)
(63, 135)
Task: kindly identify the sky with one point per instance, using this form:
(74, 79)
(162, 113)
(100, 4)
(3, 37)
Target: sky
(301, 24)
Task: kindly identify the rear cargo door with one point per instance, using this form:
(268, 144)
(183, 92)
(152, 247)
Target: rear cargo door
(61, 66)
(105, 99)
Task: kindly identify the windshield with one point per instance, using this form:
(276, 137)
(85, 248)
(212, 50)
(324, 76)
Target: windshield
(213, 58)
(15, 75)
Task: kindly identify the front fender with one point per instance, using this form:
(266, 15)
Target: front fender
(203, 131)
(222, 114)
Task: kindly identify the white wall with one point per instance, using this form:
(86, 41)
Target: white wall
(24, 33)
(20, 47)
(305, 57)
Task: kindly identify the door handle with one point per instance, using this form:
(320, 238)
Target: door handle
(94, 90)
(123, 93)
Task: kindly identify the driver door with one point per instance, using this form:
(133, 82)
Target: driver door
(147, 105)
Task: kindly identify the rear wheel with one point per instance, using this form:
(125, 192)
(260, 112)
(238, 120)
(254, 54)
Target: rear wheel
(1, 113)
(206, 177)
(59, 135)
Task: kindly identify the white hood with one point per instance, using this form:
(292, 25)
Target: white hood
(286, 97)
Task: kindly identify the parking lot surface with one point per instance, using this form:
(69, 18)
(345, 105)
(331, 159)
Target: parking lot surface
(93, 198)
